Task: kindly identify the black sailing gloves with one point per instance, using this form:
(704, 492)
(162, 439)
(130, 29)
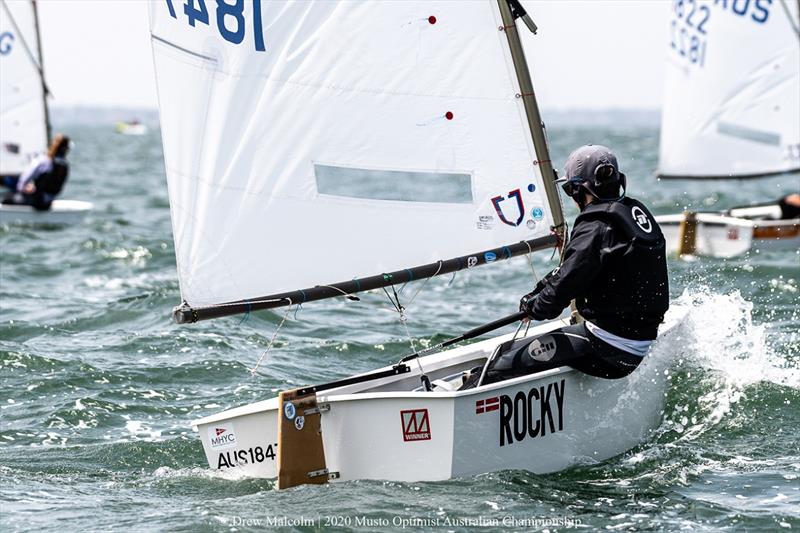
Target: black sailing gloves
(526, 302)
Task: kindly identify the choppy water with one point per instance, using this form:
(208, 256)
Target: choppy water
(99, 387)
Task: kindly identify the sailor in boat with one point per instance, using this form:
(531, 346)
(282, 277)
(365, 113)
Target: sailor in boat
(44, 178)
(790, 206)
(614, 268)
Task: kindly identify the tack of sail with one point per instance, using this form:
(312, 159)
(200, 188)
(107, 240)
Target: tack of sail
(307, 144)
(732, 91)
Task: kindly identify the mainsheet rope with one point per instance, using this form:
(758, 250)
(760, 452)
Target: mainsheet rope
(283, 320)
(272, 340)
(401, 311)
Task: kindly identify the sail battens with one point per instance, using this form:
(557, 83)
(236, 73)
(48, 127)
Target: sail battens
(182, 49)
(186, 314)
(749, 134)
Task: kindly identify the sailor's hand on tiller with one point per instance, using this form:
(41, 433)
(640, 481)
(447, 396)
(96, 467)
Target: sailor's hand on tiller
(526, 305)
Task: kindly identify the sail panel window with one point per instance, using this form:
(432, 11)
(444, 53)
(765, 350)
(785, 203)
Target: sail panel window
(404, 186)
(749, 134)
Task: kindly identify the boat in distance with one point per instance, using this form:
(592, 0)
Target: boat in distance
(133, 127)
(61, 212)
(730, 233)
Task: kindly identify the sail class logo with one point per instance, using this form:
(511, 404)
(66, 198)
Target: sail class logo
(515, 195)
(222, 436)
(416, 425)
(6, 43)
(527, 415)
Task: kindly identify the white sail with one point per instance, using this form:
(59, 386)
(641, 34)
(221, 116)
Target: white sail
(23, 125)
(313, 143)
(732, 93)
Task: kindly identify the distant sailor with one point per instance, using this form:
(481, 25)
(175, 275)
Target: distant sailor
(790, 206)
(44, 178)
(615, 269)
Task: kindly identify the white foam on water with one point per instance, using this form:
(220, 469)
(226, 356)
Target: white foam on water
(166, 472)
(723, 341)
(139, 430)
(727, 341)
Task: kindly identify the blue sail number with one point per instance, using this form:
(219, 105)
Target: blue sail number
(230, 19)
(193, 13)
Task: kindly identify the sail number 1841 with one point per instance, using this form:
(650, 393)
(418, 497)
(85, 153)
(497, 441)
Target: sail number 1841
(230, 20)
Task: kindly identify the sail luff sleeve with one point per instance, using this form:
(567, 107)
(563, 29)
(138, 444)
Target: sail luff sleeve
(535, 122)
(45, 89)
(185, 314)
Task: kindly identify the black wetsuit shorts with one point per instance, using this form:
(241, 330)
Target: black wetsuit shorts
(573, 346)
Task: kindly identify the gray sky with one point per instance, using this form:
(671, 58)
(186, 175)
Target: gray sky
(589, 54)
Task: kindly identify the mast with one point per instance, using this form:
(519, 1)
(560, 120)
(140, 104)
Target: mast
(532, 109)
(45, 91)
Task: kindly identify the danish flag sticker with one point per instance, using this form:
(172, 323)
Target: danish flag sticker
(487, 405)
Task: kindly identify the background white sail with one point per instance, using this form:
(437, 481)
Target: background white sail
(23, 129)
(365, 138)
(732, 93)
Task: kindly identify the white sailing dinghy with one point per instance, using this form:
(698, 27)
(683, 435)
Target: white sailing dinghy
(731, 110)
(24, 114)
(375, 143)
(61, 212)
(130, 127)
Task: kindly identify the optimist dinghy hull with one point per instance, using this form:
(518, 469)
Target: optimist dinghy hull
(62, 212)
(384, 429)
(735, 233)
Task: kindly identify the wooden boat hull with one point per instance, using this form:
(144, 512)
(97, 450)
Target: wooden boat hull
(61, 212)
(735, 233)
(542, 423)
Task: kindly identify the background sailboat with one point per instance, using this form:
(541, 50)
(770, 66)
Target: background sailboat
(130, 127)
(24, 116)
(25, 129)
(732, 110)
(317, 150)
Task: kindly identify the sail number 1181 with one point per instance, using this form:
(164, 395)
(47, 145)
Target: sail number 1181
(230, 19)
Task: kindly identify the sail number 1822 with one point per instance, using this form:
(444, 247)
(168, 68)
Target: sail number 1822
(230, 20)
(688, 30)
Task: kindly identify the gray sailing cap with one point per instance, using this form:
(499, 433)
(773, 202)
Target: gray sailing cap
(583, 163)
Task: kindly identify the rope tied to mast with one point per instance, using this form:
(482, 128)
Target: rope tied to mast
(559, 231)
